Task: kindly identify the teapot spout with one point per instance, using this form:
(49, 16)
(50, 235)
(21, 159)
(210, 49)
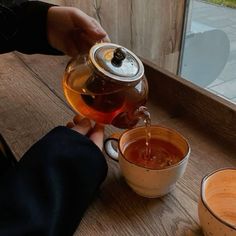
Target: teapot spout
(142, 113)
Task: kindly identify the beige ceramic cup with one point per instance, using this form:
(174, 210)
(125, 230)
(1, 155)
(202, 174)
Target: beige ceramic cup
(217, 203)
(147, 182)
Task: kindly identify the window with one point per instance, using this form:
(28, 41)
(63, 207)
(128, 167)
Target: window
(209, 47)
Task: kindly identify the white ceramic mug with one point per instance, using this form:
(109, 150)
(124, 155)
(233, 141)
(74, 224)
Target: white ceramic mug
(217, 203)
(144, 181)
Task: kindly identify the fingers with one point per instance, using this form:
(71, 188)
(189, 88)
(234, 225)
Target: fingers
(70, 125)
(81, 41)
(83, 126)
(106, 39)
(75, 121)
(97, 135)
(72, 31)
(89, 25)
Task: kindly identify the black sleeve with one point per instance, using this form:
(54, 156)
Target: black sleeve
(48, 191)
(23, 27)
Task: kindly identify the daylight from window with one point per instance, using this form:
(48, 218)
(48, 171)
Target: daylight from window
(209, 47)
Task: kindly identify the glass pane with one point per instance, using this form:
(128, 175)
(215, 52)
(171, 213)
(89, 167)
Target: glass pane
(209, 47)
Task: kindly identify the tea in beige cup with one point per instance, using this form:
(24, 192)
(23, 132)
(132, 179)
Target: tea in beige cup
(154, 175)
(217, 203)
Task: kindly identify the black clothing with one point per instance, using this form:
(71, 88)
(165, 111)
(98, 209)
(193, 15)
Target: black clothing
(23, 27)
(47, 192)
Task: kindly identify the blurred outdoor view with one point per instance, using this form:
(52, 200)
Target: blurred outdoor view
(209, 49)
(227, 3)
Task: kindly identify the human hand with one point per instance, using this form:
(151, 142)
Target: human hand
(84, 126)
(72, 31)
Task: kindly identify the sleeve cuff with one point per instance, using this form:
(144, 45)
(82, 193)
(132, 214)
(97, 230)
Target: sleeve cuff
(31, 36)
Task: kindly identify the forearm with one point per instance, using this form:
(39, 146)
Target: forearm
(23, 27)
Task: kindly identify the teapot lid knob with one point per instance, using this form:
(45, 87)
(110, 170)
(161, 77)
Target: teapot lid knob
(118, 56)
(116, 63)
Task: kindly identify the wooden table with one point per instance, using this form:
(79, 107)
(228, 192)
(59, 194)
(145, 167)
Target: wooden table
(32, 103)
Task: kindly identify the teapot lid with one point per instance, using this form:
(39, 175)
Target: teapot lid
(116, 62)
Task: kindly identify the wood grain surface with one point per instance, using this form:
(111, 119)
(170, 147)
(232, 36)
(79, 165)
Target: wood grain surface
(32, 103)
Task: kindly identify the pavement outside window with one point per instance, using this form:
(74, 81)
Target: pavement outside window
(213, 17)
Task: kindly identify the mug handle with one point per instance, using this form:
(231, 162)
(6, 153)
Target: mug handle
(109, 148)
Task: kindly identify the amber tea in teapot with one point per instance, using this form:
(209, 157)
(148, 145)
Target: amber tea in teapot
(107, 86)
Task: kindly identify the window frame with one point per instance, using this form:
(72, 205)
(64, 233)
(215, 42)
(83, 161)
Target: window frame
(182, 97)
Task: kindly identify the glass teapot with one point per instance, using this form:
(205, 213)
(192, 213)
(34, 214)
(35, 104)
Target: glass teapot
(107, 85)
